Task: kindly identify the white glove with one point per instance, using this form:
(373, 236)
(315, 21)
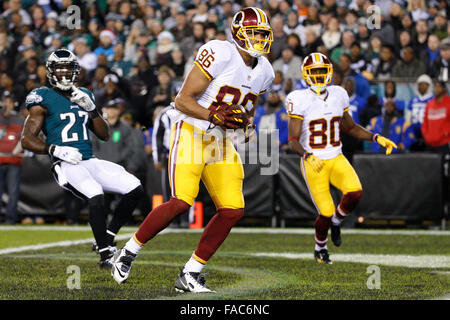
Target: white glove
(82, 99)
(69, 154)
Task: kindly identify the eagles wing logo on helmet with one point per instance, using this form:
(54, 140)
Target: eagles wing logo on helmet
(62, 69)
(317, 71)
(246, 23)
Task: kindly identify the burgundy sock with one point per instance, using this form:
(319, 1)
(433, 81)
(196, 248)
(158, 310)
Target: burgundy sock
(216, 232)
(322, 225)
(159, 218)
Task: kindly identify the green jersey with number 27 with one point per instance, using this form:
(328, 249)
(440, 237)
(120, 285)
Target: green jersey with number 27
(66, 123)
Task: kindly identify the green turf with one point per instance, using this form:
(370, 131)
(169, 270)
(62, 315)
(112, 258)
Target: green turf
(232, 272)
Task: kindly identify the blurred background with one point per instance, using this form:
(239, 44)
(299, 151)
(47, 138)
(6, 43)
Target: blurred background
(392, 57)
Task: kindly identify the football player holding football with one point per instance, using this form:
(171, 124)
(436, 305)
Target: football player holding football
(225, 79)
(316, 116)
(65, 113)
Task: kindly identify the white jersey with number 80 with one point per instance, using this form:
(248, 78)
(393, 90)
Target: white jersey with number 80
(321, 117)
(232, 81)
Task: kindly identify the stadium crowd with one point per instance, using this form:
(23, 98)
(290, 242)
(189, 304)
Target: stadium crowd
(134, 56)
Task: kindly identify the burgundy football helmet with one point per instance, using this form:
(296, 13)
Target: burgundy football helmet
(244, 27)
(317, 71)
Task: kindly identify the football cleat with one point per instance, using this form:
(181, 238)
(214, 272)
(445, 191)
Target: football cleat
(336, 235)
(122, 261)
(106, 263)
(112, 249)
(191, 282)
(322, 256)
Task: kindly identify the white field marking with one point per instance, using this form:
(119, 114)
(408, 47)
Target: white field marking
(306, 231)
(396, 260)
(67, 243)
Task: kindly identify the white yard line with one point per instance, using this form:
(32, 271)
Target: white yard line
(244, 230)
(396, 260)
(67, 243)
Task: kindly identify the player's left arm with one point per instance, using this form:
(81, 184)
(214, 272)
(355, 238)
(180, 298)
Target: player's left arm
(357, 131)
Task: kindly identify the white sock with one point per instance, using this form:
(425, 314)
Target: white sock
(318, 248)
(193, 266)
(133, 246)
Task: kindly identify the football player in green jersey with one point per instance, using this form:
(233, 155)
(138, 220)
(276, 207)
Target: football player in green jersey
(65, 113)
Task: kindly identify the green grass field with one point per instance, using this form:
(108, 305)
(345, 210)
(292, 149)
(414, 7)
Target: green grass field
(251, 264)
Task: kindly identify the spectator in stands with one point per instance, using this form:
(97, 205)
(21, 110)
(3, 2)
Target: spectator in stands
(86, 59)
(118, 64)
(332, 36)
(177, 63)
(313, 41)
(359, 63)
(197, 38)
(278, 84)
(272, 116)
(289, 64)
(390, 93)
(107, 40)
(389, 125)
(420, 38)
(293, 26)
(294, 41)
(409, 66)
(387, 62)
(15, 7)
(362, 84)
(112, 90)
(440, 26)
(164, 48)
(348, 38)
(7, 50)
(313, 21)
(371, 110)
(414, 113)
(182, 29)
(440, 67)
(418, 10)
(351, 21)
(11, 125)
(162, 94)
(363, 35)
(350, 144)
(8, 87)
(404, 40)
(436, 121)
(432, 51)
(279, 37)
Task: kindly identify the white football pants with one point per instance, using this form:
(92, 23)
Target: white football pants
(94, 176)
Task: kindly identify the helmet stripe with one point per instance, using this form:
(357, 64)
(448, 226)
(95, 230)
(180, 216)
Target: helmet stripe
(263, 16)
(258, 15)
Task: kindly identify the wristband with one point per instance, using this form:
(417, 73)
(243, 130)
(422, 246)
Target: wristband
(293, 138)
(306, 155)
(94, 114)
(50, 149)
(349, 129)
(374, 137)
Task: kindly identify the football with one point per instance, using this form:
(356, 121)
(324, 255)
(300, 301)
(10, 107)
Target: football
(237, 115)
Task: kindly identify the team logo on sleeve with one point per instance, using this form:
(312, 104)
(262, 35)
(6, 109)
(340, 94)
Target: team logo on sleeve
(33, 97)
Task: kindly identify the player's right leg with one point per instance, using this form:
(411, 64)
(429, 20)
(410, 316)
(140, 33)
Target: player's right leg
(319, 188)
(78, 180)
(184, 177)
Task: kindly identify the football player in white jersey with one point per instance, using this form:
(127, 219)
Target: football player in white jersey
(224, 74)
(316, 116)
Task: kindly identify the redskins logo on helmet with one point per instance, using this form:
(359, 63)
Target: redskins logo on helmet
(317, 71)
(244, 27)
